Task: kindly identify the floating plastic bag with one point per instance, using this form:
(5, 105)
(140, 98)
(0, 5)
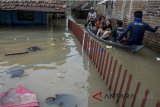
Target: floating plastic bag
(16, 72)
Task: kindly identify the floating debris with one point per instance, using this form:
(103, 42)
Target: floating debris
(3, 63)
(60, 75)
(64, 71)
(64, 100)
(158, 59)
(108, 47)
(28, 38)
(16, 73)
(83, 86)
(14, 39)
(18, 97)
(52, 44)
(33, 49)
(16, 53)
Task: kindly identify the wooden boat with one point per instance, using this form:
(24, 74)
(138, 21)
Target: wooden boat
(133, 48)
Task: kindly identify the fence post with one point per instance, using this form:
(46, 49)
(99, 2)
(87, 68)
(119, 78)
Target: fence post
(158, 103)
(104, 57)
(98, 56)
(113, 73)
(95, 53)
(83, 41)
(145, 98)
(93, 49)
(127, 90)
(135, 94)
(106, 67)
(109, 70)
(100, 61)
(122, 84)
(90, 47)
(88, 43)
(117, 80)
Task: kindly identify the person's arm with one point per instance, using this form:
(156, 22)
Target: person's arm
(99, 30)
(88, 17)
(124, 33)
(151, 29)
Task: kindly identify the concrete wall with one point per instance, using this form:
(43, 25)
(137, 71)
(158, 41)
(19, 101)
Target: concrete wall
(10, 18)
(124, 10)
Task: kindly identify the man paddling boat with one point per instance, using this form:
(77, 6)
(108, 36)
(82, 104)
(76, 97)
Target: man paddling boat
(137, 30)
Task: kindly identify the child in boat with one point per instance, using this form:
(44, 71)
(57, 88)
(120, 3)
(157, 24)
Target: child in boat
(100, 22)
(104, 31)
(137, 30)
(118, 31)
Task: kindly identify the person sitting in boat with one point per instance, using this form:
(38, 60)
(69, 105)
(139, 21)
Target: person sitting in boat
(91, 18)
(105, 30)
(115, 35)
(137, 30)
(100, 23)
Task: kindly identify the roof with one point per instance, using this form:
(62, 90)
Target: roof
(33, 5)
(78, 4)
(88, 5)
(83, 5)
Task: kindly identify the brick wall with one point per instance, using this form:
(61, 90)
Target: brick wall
(124, 10)
(101, 10)
(118, 9)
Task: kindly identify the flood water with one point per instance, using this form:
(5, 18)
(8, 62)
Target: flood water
(144, 66)
(61, 67)
(58, 68)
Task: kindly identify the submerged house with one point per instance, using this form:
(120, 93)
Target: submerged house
(29, 12)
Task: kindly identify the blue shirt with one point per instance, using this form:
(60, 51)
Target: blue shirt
(137, 29)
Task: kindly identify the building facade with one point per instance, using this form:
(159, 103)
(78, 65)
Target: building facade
(23, 18)
(29, 12)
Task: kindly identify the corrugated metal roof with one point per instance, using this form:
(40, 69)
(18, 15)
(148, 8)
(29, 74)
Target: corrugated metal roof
(83, 5)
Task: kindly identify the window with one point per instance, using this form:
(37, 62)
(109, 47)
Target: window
(25, 16)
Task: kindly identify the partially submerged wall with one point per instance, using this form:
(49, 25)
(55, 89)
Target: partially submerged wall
(12, 18)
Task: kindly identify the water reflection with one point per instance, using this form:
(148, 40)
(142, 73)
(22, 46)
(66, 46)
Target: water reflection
(56, 69)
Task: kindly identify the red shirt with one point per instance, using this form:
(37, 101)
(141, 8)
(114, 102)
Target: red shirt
(98, 24)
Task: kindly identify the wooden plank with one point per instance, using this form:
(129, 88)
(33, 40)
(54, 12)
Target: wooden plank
(16, 53)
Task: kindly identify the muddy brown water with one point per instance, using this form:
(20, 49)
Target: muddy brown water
(58, 68)
(62, 68)
(144, 67)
